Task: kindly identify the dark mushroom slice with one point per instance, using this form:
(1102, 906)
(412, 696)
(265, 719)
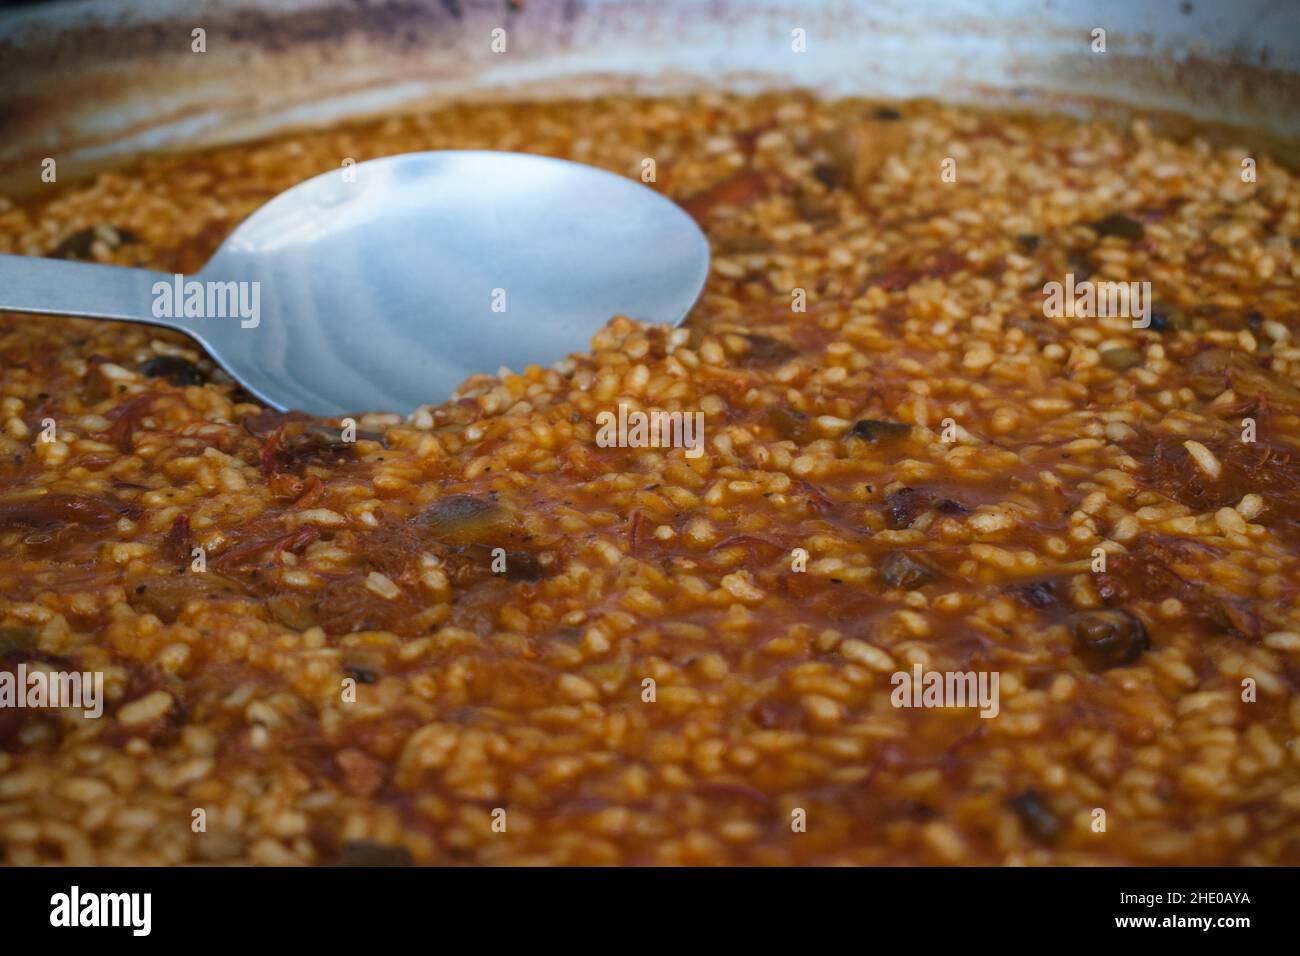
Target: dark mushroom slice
(1121, 359)
(518, 565)
(741, 243)
(1118, 224)
(523, 566)
(167, 596)
(791, 425)
(899, 569)
(1036, 816)
(859, 149)
(361, 674)
(816, 211)
(765, 350)
(298, 445)
(1209, 372)
(828, 174)
(1214, 370)
(1036, 594)
(1108, 637)
(1081, 264)
(176, 370)
(465, 519)
(17, 640)
(1169, 318)
(81, 244)
(904, 505)
(875, 431)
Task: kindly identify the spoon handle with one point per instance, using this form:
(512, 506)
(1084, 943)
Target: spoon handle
(85, 289)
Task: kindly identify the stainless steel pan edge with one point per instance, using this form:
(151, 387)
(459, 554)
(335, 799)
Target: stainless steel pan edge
(94, 83)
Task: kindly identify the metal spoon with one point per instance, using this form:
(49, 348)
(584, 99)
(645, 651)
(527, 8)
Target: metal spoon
(382, 286)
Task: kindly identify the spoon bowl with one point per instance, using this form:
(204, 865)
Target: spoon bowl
(383, 285)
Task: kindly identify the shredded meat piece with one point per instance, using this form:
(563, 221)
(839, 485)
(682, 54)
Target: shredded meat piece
(1146, 573)
(56, 508)
(740, 190)
(245, 549)
(1257, 467)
